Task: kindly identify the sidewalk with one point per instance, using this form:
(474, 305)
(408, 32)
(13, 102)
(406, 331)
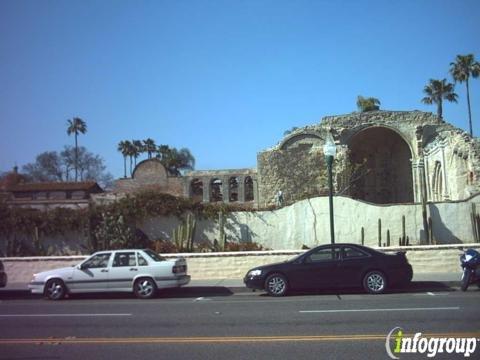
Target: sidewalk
(427, 280)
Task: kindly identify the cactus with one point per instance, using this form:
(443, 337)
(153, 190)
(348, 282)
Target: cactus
(176, 238)
(183, 234)
(36, 241)
(221, 225)
(191, 222)
(379, 232)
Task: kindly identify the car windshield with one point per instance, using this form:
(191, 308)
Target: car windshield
(154, 255)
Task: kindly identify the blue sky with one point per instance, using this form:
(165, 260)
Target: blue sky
(222, 78)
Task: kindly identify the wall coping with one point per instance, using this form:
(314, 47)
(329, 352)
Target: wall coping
(459, 247)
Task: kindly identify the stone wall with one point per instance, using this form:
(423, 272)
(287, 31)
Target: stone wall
(444, 158)
(298, 172)
(151, 174)
(307, 223)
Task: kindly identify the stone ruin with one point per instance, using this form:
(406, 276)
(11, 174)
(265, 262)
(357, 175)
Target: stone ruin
(383, 157)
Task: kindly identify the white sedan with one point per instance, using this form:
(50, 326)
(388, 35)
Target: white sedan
(140, 271)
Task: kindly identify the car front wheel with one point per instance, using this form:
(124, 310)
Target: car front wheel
(144, 288)
(55, 289)
(375, 282)
(276, 285)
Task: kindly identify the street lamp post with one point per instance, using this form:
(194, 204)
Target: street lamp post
(329, 150)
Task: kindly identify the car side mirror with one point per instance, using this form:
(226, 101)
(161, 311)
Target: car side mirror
(300, 261)
(82, 266)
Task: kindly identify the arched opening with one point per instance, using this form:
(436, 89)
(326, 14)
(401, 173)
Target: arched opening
(387, 174)
(233, 189)
(216, 193)
(196, 190)
(437, 182)
(248, 188)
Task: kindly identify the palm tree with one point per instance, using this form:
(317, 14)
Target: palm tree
(149, 146)
(461, 70)
(76, 126)
(436, 91)
(138, 148)
(162, 152)
(128, 151)
(176, 160)
(367, 104)
(123, 147)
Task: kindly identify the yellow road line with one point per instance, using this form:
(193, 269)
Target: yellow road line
(223, 339)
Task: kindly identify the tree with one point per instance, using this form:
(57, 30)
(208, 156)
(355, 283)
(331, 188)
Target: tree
(76, 126)
(123, 147)
(129, 149)
(52, 166)
(367, 104)
(436, 91)
(163, 151)
(149, 146)
(137, 149)
(47, 167)
(461, 70)
(92, 167)
(175, 160)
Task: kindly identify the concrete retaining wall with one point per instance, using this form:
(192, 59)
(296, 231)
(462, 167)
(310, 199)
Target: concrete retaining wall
(234, 265)
(305, 223)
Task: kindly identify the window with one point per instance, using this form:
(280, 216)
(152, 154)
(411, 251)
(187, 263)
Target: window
(233, 189)
(124, 259)
(324, 254)
(141, 260)
(97, 261)
(249, 189)
(351, 253)
(216, 190)
(196, 190)
(154, 255)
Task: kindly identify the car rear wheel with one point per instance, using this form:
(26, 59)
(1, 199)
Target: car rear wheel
(276, 285)
(55, 289)
(375, 282)
(145, 288)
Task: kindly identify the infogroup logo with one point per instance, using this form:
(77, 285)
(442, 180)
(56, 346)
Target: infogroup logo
(397, 343)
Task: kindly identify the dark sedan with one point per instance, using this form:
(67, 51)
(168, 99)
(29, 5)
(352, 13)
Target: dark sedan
(328, 266)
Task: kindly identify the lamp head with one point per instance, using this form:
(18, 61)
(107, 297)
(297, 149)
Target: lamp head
(329, 149)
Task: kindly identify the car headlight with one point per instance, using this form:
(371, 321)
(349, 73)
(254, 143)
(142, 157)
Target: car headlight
(255, 273)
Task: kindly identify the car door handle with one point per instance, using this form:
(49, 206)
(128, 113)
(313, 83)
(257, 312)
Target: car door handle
(133, 269)
(104, 270)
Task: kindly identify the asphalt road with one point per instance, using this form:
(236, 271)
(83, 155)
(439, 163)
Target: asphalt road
(205, 324)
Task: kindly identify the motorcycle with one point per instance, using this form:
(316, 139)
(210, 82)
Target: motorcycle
(470, 262)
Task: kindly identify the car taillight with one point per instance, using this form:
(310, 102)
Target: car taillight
(179, 269)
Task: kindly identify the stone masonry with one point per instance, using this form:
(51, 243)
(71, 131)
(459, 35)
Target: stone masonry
(383, 157)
